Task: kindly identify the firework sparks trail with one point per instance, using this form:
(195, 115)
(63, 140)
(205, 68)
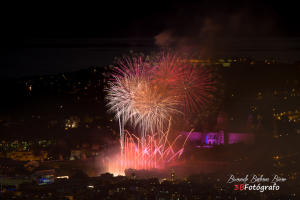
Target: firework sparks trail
(153, 154)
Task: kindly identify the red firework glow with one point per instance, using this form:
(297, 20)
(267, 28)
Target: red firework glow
(153, 153)
(190, 83)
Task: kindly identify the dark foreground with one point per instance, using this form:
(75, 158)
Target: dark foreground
(108, 187)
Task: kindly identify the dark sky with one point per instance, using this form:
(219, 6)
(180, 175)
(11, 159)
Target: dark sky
(50, 38)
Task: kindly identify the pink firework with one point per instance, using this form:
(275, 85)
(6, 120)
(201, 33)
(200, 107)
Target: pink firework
(154, 153)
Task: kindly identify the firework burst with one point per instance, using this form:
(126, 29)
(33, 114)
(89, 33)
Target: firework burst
(191, 84)
(135, 99)
(148, 93)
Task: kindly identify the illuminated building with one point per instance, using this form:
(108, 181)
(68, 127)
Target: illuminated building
(217, 138)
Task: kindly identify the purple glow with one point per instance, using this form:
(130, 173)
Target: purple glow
(217, 138)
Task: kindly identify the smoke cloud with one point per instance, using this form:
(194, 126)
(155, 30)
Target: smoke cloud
(209, 34)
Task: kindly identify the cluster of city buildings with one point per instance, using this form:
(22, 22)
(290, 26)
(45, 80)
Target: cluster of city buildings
(48, 186)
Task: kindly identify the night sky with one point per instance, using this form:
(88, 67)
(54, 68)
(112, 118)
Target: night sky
(48, 38)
